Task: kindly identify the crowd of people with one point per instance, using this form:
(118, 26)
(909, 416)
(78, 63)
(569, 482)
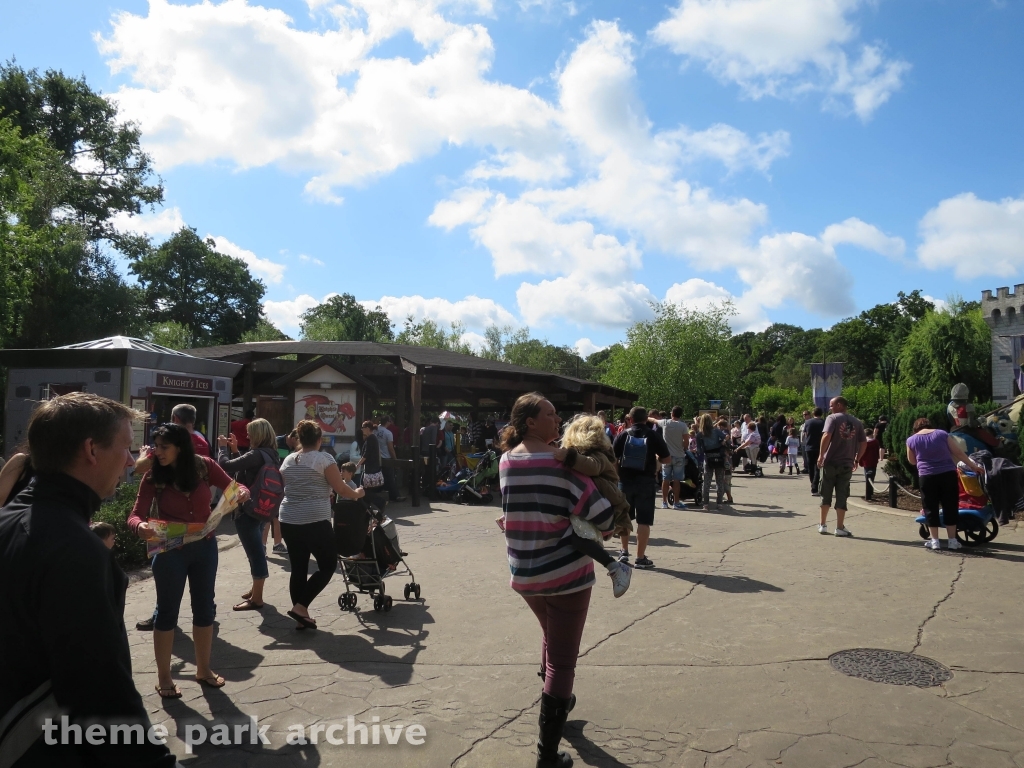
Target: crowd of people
(565, 490)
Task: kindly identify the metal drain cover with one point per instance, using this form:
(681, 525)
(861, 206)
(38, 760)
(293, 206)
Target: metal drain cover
(893, 667)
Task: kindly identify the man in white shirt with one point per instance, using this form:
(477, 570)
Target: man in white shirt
(677, 438)
(747, 425)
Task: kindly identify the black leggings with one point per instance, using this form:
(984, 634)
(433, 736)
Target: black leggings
(592, 549)
(316, 539)
(941, 490)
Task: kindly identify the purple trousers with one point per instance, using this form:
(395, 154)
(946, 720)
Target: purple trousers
(561, 620)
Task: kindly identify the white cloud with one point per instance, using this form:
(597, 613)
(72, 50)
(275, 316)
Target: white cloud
(582, 301)
(269, 270)
(853, 231)
(940, 304)
(784, 48)
(586, 347)
(287, 314)
(732, 147)
(240, 82)
(310, 260)
(698, 294)
(476, 341)
(472, 311)
(974, 237)
(163, 223)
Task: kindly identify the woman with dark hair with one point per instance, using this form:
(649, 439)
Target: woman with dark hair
(935, 454)
(309, 476)
(373, 474)
(177, 489)
(538, 496)
(251, 528)
(778, 436)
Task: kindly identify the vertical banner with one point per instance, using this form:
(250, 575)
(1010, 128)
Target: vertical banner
(826, 383)
(1018, 361)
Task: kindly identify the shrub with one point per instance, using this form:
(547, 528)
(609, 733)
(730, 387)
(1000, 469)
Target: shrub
(900, 428)
(129, 549)
(771, 400)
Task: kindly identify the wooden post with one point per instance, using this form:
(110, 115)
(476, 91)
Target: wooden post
(417, 469)
(416, 406)
(590, 402)
(247, 387)
(400, 414)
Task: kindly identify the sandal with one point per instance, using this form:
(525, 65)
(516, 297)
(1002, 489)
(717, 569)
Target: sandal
(304, 621)
(213, 681)
(173, 692)
(247, 605)
(247, 595)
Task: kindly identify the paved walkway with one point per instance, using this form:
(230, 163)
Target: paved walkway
(719, 657)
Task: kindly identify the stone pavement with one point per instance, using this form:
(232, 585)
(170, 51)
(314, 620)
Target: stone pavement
(719, 657)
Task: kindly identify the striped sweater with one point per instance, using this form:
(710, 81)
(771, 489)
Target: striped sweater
(537, 495)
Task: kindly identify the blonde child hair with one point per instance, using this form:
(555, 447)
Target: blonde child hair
(585, 432)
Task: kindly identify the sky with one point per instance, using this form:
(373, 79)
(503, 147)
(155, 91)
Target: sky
(563, 164)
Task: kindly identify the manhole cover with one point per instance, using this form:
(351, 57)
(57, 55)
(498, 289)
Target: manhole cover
(893, 667)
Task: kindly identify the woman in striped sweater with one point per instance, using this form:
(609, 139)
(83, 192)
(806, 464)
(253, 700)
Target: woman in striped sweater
(538, 494)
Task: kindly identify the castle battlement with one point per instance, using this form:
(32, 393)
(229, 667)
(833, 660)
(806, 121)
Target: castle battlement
(1005, 310)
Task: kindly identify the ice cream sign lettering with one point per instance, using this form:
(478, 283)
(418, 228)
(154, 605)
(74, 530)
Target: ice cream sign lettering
(329, 414)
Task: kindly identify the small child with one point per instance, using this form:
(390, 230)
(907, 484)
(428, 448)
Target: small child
(869, 461)
(587, 450)
(106, 533)
(792, 449)
(348, 471)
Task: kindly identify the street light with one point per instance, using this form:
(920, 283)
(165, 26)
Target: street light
(890, 370)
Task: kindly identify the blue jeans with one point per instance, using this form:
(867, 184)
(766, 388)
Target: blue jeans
(250, 533)
(196, 562)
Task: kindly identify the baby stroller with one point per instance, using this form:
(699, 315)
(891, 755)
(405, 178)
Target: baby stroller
(692, 484)
(476, 487)
(976, 521)
(369, 552)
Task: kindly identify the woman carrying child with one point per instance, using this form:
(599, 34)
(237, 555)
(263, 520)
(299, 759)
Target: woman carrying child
(711, 444)
(539, 496)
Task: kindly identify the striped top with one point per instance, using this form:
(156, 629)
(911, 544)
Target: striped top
(537, 495)
(307, 494)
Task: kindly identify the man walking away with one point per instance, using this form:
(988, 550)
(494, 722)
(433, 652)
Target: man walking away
(842, 445)
(869, 461)
(814, 427)
(63, 647)
(638, 451)
(677, 438)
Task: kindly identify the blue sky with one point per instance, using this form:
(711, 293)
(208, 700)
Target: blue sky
(561, 164)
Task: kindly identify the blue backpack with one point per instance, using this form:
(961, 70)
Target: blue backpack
(634, 453)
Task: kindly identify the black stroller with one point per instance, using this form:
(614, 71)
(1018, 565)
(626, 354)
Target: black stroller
(368, 552)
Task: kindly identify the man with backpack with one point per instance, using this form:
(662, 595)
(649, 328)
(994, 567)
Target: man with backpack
(638, 451)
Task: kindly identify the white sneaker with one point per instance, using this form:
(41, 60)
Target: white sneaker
(679, 505)
(953, 544)
(621, 574)
(843, 532)
(823, 529)
(664, 504)
(933, 544)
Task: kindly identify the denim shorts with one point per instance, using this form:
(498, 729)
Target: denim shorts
(250, 534)
(675, 469)
(196, 563)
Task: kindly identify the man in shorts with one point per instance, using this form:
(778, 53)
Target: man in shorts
(638, 450)
(677, 438)
(842, 445)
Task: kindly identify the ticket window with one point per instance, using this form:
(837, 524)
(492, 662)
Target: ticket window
(162, 404)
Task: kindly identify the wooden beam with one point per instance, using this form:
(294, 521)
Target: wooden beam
(246, 388)
(409, 367)
(415, 406)
(400, 414)
(590, 402)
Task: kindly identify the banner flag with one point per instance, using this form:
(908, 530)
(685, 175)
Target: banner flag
(1018, 360)
(826, 383)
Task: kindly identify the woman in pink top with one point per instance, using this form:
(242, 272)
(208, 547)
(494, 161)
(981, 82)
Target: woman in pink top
(177, 489)
(935, 454)
(538, 496)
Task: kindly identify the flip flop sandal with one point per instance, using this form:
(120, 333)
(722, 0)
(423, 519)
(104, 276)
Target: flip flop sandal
(213, 681)
(304, 621)
(247, 605)
(175, 692)
(247, 595)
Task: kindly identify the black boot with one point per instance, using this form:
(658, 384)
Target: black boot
(553, 713)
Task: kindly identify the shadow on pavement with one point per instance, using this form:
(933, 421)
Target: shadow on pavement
(236, 663)
(994, 551)
(665, 543)
(756, 510)
(590, 753)
(720, 583)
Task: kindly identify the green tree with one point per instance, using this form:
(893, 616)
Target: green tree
(213, 295)
(107, 171)
(772, 400)
(948, 347)
(517, 347)
(265, 331)
(342, 318)
(432, 334)
(170, 334)
(681, 357)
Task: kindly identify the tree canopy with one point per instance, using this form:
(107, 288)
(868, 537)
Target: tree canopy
(342, 318)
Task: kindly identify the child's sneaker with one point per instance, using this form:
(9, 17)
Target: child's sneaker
(644, 563)
(620, 573)
(622, 556)
(953, 544)
(933, 544)
(823, 529)
(843, 532)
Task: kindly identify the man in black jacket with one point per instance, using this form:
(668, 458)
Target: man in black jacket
(65, 668)
(815, 426)
(640, 479)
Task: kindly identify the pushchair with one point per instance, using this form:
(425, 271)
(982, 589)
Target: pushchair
(692, 484)
(472, 485)
(368, 552)
(976, 521)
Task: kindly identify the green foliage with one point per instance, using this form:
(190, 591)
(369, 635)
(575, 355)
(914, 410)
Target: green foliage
(431, 334)
(681, 357)
(342, 318)
(947, 347)
(265, 331)
(129, 549)
(170, 334)
(870, 400)
(213, 295)
(901, 427)
(771, 400)
(517, 347)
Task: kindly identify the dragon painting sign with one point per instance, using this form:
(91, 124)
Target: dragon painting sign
(333, 410)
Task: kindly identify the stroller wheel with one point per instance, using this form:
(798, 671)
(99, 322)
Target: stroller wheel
(388, 602)
(416, 590)
(408, 591)
(923, 531)
(971, 538)
(342, 602)
(378, 603)
(991, 530)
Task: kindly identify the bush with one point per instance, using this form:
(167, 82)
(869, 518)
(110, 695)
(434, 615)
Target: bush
(870, 400)
(129, 549)
(771, 400)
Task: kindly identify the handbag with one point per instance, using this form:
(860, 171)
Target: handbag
(373, 480)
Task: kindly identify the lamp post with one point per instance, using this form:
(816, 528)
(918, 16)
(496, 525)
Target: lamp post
(890, 370)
